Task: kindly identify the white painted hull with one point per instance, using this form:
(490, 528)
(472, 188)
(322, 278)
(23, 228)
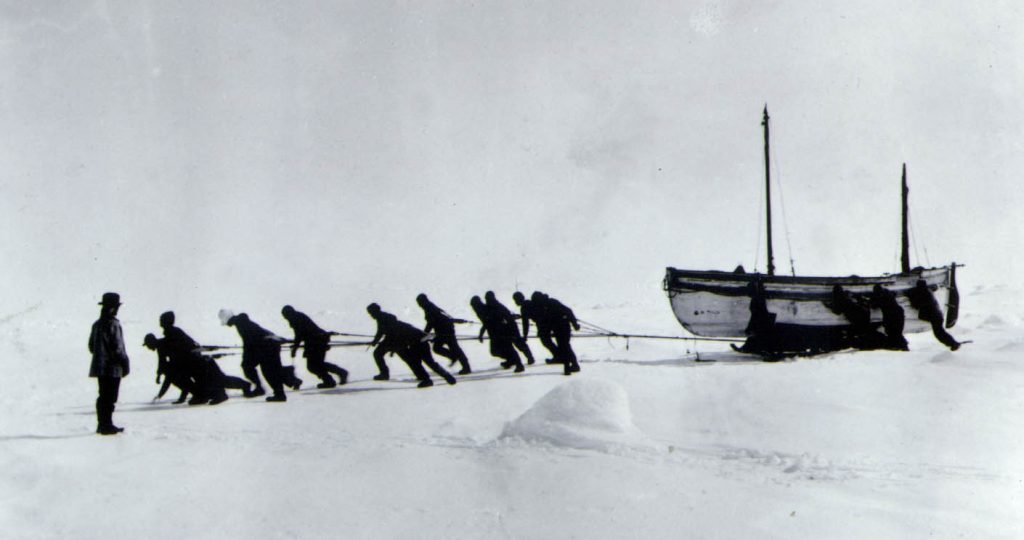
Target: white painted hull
(716, 304)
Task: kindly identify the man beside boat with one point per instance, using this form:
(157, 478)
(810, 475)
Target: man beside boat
(893, 318)
(922, 299)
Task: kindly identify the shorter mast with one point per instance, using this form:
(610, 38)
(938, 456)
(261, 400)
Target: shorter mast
(768, 193)
(904, 239)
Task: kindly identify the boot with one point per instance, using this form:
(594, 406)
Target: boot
(219, 398)
(343, 378)
(105, 416)
(381, 377)
(257, 392)
(465, 371)
(425, 383)
(277, 397)
(520, 368)
(328, 383)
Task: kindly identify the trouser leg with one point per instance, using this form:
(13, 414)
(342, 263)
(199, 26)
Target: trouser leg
(942, 335)
(338, 371)
(523, 347)
(378, 357)
(316, 365)
(448, 347)
(545, 340)
(505, 350)
(235, 383)
(249, 370)
(415, 362)
(108, 391)
(270, 365)
(320, 370)
(425, 357)
(565, 352)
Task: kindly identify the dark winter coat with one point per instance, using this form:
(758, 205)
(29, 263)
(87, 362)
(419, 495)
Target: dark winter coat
(308, 332)
(394, 334)
(106, 343)
(922, 299)
(437, 320)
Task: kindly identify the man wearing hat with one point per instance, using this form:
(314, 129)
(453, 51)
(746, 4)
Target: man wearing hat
(109, 362)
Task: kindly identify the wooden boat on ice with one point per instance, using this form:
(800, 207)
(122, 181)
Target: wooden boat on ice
(718, 303)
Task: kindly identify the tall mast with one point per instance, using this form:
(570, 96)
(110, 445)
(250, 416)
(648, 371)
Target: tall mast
(905, 239)
(768, 193)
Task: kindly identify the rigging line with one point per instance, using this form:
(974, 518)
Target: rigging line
(346, 334)
(918, 243)
(782, 204)
(760, 217)
(924, 248)
(594, 326)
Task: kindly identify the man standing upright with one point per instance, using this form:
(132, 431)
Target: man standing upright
(317, 342)
(109, 362)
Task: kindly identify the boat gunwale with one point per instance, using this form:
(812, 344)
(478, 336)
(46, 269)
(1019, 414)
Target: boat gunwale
(674, 274)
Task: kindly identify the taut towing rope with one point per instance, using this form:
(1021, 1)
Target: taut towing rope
(587, 330)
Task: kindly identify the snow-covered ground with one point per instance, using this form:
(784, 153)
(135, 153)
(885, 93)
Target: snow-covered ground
(645, 442)
(194, 156)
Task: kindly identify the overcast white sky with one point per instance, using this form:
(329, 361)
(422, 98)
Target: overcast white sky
(197, 155)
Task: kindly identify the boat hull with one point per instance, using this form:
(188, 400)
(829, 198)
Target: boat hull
(717, 304)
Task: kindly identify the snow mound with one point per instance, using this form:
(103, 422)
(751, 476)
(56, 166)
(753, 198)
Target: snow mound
(589, 414)
(993, 322)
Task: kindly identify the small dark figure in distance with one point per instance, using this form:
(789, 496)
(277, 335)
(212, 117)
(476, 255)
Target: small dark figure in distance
(893, 318)
(501, 344)
(443, 326)
(562, 322)
(109, 362)
(261, 347)
(922, 299)
(508, 324)
(408, 342)
(317, 341)
(530, 311)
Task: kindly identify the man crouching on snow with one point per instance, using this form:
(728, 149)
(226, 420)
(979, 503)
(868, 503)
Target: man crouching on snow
(109, 362)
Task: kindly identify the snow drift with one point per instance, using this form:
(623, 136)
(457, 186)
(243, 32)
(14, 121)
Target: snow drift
(589, 414)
